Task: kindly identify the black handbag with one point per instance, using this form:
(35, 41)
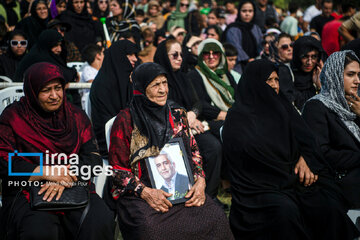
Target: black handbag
(71, 198)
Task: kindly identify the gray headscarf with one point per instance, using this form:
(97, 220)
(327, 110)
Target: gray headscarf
(332, 93)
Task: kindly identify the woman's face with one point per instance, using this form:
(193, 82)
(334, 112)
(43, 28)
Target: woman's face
(175, 56)
(132, 59)
(247, 12)
(157, 90)
(18, 45)
(212, 59)
(273, 81)
(103, 4)
(211, 33)
(212, 19)
(51, 96)
(115, 8)
(56, 49)
(42, 11)
(61, 7)
(78, 6)
(309, 60)
(153, 11)
(351, 78)
(184, 5)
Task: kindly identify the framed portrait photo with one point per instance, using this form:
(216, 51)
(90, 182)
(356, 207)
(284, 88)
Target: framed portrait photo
(170, 171)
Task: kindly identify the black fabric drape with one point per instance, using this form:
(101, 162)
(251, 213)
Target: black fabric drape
(181, 89)
(111, 90)
(41, 52)
(84, 30)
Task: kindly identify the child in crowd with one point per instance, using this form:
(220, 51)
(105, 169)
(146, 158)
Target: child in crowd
(231, 56)
(94, 56)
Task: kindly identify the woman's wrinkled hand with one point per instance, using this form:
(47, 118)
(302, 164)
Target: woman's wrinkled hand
(61, 175)
(305, 175)
(354, 103)
(51, 190)
(196, 194)
(157, 199)
(316, 74)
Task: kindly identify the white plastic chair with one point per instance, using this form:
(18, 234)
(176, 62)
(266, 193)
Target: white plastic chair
(354, 214)
(10, 95)
(101, 179)
(5, 79)
(77, 65)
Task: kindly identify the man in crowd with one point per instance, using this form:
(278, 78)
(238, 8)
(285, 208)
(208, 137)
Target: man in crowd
(263, 12)
(318, 22)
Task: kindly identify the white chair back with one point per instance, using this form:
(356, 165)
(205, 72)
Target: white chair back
(100, 180)
(5, 79)
(77, 65)
(10, 95)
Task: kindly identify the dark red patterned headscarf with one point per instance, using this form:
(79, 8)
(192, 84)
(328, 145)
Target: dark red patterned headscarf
(27, 128)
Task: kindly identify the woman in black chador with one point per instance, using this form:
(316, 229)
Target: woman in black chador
(280, 189)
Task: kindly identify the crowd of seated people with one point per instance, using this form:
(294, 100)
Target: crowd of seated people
(261, 101)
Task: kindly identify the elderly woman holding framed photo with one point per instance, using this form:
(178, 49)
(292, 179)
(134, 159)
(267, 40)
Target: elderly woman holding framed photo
(141, 132)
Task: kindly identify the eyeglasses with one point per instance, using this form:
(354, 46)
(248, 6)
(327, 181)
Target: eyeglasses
(312, 57)
(286, 46)
(176, 55)
(184, 5)
(206, 55)
(15, 43)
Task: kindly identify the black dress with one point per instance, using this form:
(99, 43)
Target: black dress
(264, 137)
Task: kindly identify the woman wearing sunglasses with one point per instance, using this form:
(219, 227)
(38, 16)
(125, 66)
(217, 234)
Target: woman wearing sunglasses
(214, 86)
(306, 66)
(245, 35)
(16, 51)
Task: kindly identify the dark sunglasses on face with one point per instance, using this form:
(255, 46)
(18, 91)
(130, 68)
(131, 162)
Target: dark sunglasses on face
(184, 5)
(15, 43)
(206, 55)
(176, 55)
(286, 46)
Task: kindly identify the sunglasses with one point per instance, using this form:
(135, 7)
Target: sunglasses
(176, 55)
(15, 43)
(286, 46)
(206, 55)
(184, 5)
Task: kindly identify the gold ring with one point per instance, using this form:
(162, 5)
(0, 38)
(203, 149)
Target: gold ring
(55, 189)
(351, 104)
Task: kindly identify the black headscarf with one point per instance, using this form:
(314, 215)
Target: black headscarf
(98, 13)
(248, 39)
(83, 29)
(181, 90)
(9, 61)
(264, 135)
(11, 15)
(41, 52)
(111, 90)
(33, 25)
(151, 119)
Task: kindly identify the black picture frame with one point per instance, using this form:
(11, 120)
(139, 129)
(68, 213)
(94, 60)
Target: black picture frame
(175, 152)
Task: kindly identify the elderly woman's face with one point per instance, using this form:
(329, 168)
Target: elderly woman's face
(309, 60)
(273, 81)
(51, 96)
(351, 78)
(157, 90)
(175, 57)
(212, 59)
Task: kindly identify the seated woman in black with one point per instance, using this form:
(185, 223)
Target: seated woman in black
(273, 158)
(44, 122)
(335, 121)
(139, 132)
(306, 66)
